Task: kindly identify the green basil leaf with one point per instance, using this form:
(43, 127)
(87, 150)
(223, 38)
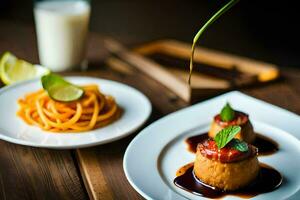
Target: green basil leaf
(239, 145)
(227, 113)
(226, 135)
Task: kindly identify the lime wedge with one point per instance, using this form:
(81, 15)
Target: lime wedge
(61, 90)
(13, 70)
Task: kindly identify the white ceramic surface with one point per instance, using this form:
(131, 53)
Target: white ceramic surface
(136, 107)
(153, 157)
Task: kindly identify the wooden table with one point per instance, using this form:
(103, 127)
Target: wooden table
(97, 173)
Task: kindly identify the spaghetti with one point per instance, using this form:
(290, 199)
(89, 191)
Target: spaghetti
(92, 111)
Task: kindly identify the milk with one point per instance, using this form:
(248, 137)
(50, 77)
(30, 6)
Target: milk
(61, 28)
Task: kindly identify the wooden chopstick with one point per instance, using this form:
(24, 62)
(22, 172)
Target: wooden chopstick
(149, 67)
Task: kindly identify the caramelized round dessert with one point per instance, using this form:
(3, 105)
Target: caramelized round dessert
(226, 169)
(240, 119)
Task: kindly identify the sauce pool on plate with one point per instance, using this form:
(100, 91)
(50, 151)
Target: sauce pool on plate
(268, 180)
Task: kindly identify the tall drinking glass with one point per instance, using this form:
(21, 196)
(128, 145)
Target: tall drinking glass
(62, 27)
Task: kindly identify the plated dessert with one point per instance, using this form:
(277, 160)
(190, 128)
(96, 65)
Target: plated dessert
(233, 171)
(226, 168)
(227, 165)
(230, 117)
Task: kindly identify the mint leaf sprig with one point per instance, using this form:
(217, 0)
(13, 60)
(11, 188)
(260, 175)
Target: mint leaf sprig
(204, 27)
(227, 113)
(226, 135)
(239, 145)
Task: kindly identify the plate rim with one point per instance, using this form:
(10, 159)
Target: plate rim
(166, 117)
(70, 146)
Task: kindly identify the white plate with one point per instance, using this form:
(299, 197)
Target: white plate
(136, 106)
(153, 157)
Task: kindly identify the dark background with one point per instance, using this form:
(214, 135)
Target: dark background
(265, 30)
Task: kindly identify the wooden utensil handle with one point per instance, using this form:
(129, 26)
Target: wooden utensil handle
(150, 68)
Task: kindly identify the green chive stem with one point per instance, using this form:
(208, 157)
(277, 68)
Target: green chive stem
(204, 27)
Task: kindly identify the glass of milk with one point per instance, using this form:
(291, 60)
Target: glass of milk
(62, 27)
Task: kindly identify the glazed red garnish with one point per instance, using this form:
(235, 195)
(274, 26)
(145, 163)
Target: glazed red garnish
(240, 118)
(210, 150)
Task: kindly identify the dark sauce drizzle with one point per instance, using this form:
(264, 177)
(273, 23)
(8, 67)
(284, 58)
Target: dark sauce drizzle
(266, 146)
(268, 180)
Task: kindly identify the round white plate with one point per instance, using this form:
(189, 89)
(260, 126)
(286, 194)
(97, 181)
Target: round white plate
(153, 157)
(136, 107)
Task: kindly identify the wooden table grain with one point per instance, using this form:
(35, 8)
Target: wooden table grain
(97, 172)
